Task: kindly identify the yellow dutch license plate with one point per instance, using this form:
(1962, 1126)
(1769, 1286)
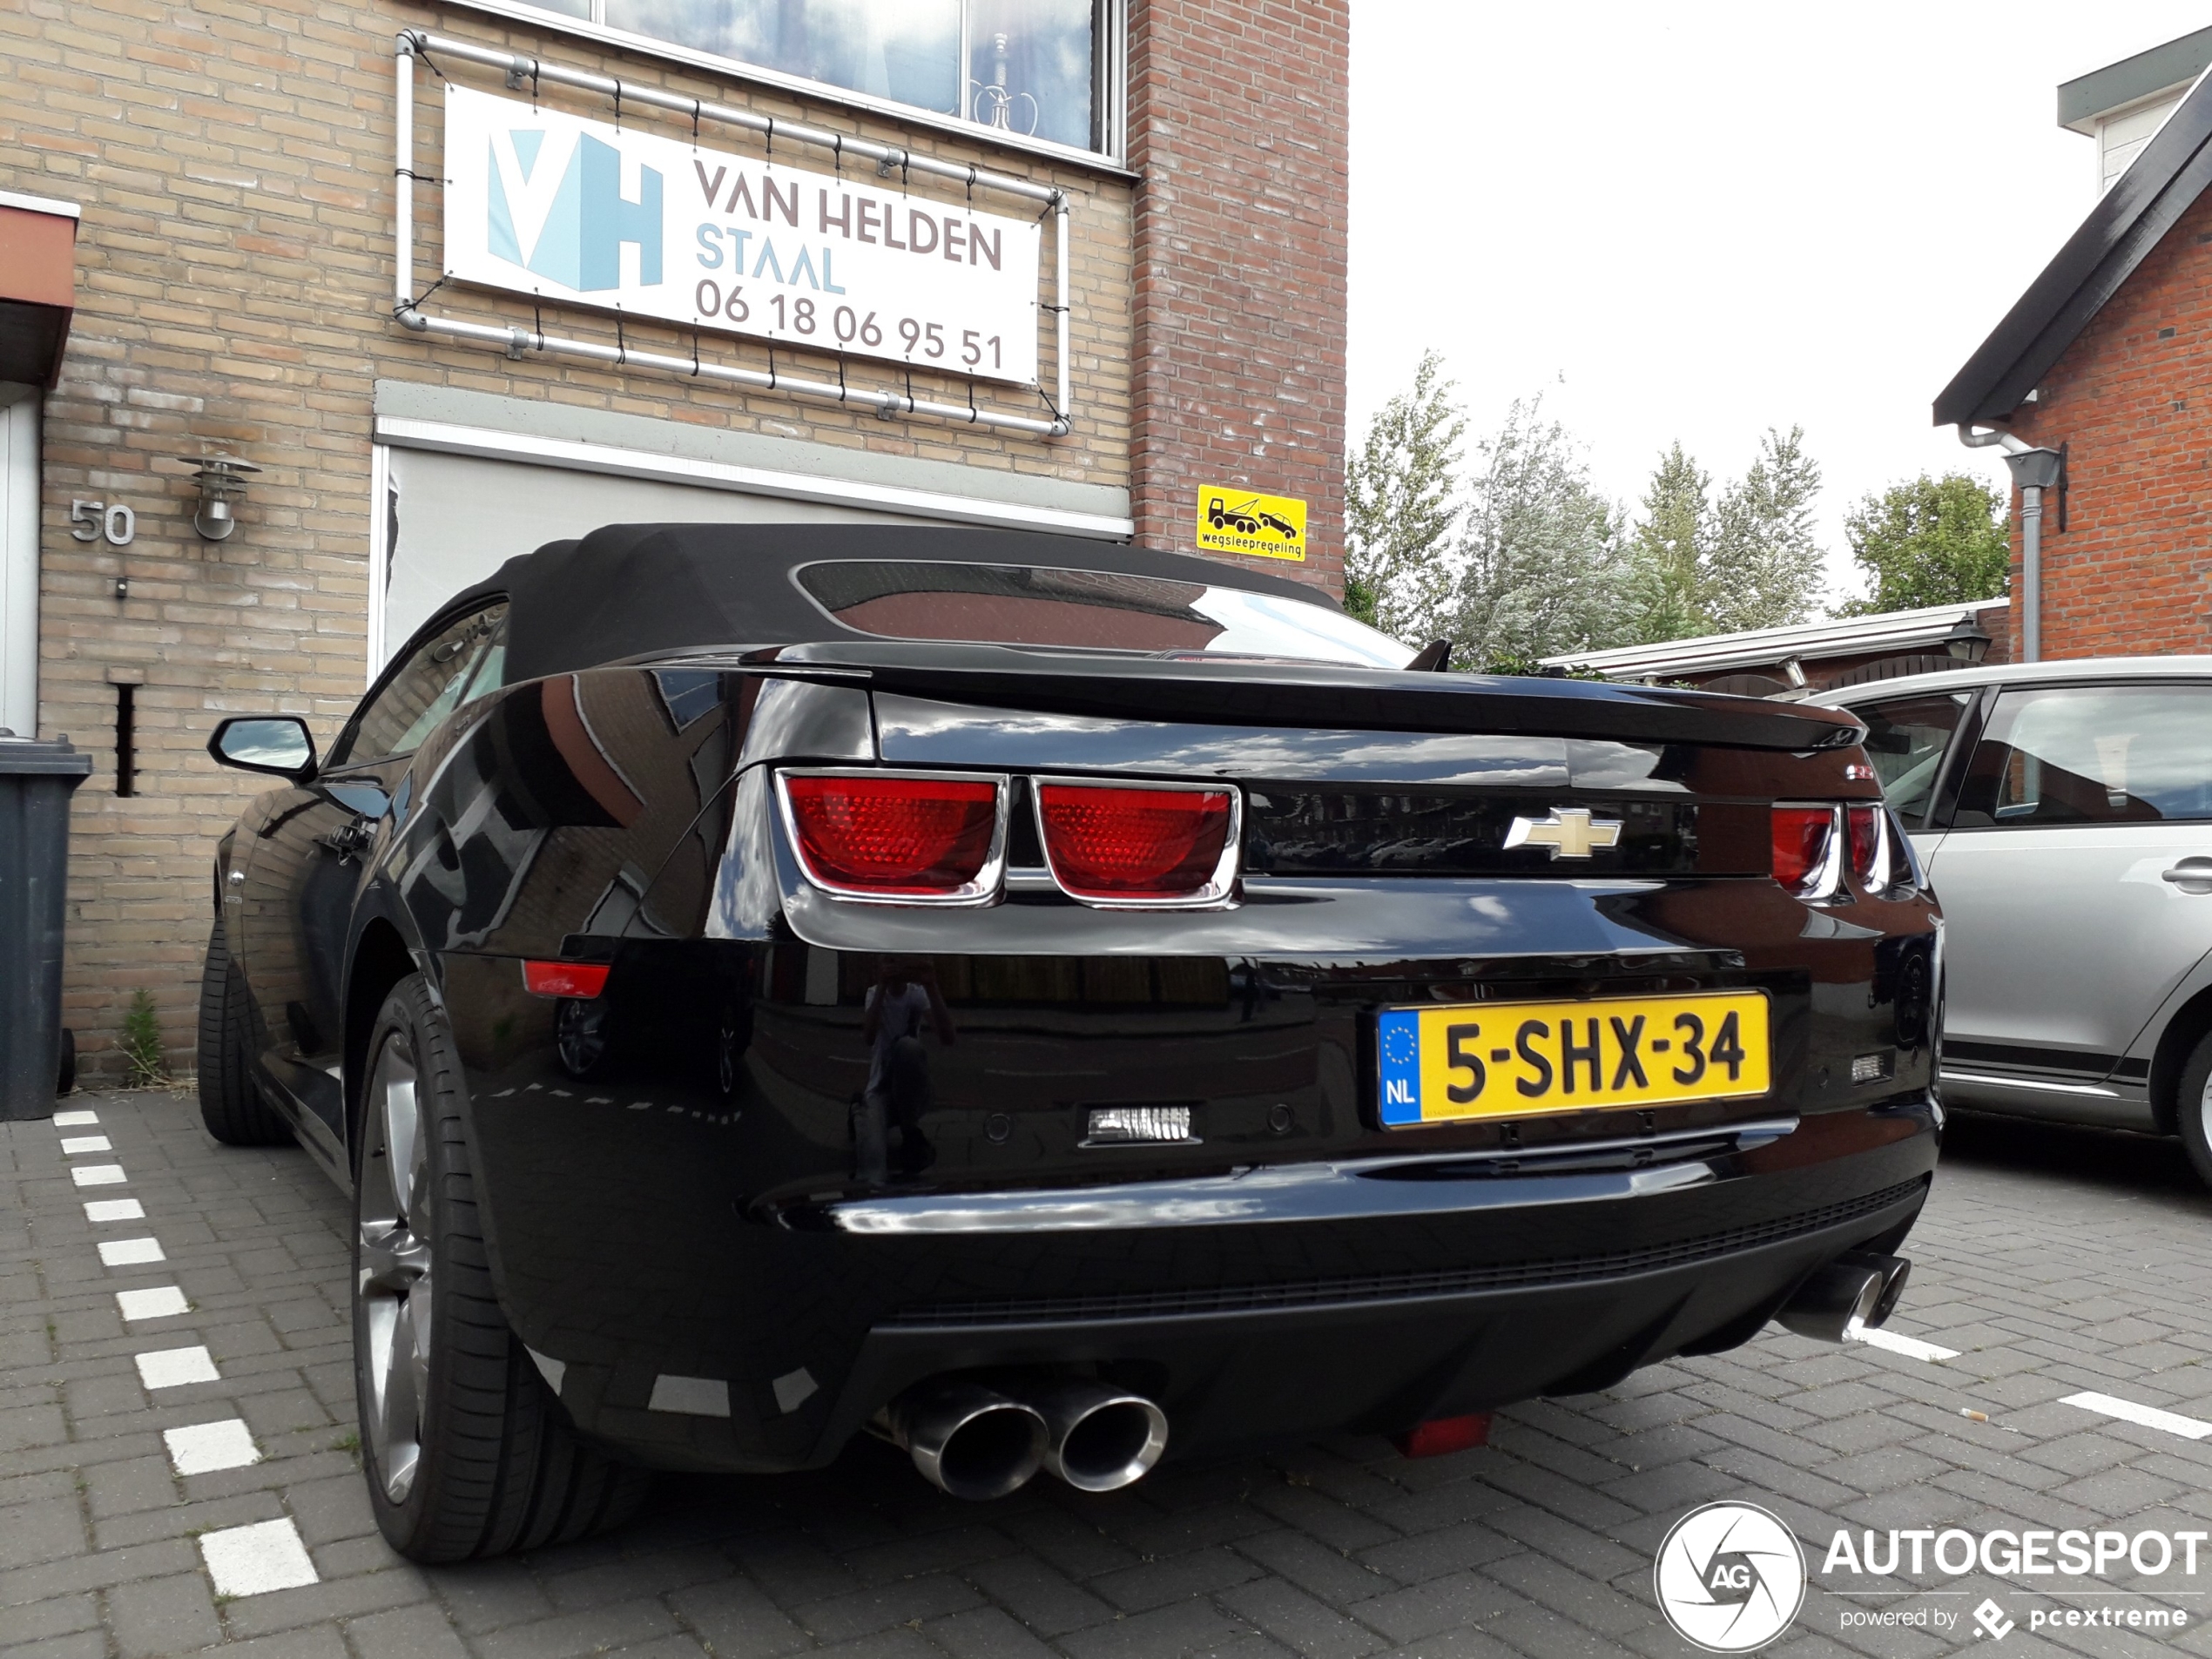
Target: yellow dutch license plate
(1447, 1063)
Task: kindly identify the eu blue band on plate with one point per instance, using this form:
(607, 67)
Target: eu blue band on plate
(1398, 1044)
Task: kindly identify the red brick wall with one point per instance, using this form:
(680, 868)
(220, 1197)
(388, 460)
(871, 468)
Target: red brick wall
(2132, 398)
(1239, 122)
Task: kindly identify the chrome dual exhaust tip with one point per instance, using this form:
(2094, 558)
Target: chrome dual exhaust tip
(978, 1442)
(1100, 1438)
(1851, 1294)
(966, 1440)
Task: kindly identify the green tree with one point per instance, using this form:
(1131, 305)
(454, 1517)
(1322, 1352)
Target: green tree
(1932, 542)
(1667, 556)
(1763, 569)
(1542, 556)
(1401, 504)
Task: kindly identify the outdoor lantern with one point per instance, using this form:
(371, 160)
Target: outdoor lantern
(222, 481)
(1967, 641)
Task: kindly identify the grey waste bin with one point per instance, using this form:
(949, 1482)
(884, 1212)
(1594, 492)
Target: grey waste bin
(36, 781)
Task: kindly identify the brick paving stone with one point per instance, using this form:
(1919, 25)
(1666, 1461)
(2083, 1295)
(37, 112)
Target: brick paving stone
(1539, 1544)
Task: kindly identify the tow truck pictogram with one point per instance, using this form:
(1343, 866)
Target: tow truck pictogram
(1246, 518)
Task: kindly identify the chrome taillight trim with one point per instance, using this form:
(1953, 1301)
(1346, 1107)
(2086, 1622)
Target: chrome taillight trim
(985, 889)
(1826, 881)
(1220, 890)
(1881, 875)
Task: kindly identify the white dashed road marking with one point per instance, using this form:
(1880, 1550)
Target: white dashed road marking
(115, 1209)
(2189, 1428)
(206, 1447)
(77, 1145)
(253, 1561)
(163, 1302)
(97, 1175)
(1911, 1347)
(174, 1367)
(75, 1119)
(130, 1252)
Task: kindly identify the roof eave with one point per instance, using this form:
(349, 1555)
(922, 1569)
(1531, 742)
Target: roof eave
(2128, 222)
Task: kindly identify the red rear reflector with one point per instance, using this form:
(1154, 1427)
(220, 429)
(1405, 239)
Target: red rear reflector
(1443, 1434)
(1801, 836)
(1137, 845)
(581, 980)
(893, 837)
(1864, 826)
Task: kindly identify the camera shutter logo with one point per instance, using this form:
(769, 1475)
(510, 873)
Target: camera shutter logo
(1730, 1577)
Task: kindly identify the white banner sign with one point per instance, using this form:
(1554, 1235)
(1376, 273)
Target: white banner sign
(588, 214)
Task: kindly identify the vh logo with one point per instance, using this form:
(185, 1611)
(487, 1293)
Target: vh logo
(554, 205)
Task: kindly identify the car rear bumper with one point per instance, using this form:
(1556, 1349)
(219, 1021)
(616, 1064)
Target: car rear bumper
(692, 1335)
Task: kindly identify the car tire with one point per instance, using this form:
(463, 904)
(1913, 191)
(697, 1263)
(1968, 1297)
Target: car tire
(2193, 1106)
(229, 1103)
(466, 1451)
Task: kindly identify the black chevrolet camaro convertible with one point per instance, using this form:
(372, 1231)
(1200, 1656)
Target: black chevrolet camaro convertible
(1045, 1004)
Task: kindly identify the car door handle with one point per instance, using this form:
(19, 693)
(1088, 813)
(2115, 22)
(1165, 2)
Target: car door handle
(2190, 875)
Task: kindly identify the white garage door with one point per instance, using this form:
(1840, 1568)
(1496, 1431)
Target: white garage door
(453, 520)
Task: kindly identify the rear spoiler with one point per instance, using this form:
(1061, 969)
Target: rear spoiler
(1255, 692)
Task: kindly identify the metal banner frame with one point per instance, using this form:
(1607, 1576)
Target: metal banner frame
(417, 46)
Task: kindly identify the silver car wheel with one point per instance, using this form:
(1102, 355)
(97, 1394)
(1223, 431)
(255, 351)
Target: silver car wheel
(396, 1215)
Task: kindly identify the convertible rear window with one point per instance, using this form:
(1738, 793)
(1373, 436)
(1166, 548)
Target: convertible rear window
(1008, 604)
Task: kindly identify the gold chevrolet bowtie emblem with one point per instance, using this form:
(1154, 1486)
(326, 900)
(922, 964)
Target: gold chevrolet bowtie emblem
(1570, 831)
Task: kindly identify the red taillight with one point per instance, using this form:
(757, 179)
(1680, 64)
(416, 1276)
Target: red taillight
(582, 980)
(1117, 844)
(1863, 826)
(895, 837)
(1801, 839)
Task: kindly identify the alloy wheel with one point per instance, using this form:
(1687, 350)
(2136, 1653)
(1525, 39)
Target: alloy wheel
(396, 1216)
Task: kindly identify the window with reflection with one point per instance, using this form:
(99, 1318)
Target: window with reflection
(2092, 754)
(1009, 605)
(1024, 66)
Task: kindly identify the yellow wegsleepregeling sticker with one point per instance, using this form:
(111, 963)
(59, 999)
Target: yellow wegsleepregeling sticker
(1235, 520)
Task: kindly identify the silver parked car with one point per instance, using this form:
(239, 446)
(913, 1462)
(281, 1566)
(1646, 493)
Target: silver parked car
(2064, 813)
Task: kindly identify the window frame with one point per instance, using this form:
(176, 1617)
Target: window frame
(1947, 760)
(1959, 763)
(1110, 81)
(341, 757)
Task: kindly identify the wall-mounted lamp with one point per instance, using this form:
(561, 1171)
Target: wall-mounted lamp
(1966, 642)
(222, 481)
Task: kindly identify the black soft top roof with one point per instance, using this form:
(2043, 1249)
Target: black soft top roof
(638, 589)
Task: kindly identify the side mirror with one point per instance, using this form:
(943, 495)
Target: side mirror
(278, 744)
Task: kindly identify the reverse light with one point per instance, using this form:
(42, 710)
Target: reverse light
(898, 838)
(1149, 844)
(1804, 849)
(582, 981)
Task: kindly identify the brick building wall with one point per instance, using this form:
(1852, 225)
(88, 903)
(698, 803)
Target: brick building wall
(1241, 270)
(2131, 399)
(234, 162)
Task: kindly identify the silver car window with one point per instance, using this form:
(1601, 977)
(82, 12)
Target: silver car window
(2092, 754)
(1905, 740)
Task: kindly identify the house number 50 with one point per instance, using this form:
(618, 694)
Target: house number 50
(91, 520)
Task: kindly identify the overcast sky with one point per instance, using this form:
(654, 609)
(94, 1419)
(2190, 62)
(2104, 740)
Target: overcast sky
(1697, 219)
